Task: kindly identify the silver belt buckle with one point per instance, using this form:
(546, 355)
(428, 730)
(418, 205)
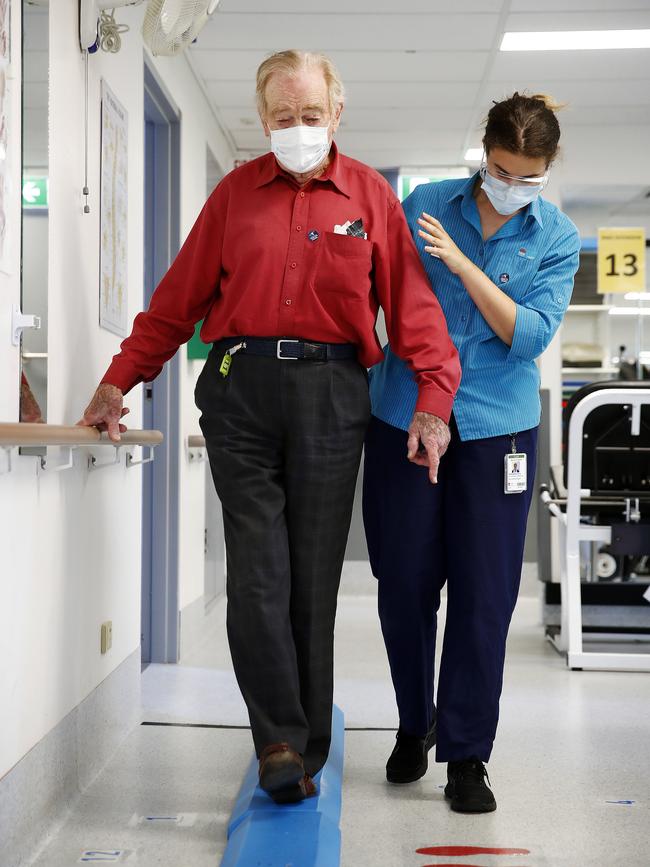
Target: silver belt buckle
(285, 357)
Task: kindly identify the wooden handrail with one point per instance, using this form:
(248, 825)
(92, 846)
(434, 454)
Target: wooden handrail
(196, 441)
(28, 434)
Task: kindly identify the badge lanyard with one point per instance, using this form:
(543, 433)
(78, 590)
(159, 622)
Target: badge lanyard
(514, 470)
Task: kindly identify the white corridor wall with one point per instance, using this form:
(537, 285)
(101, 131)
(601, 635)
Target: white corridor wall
(72, 540)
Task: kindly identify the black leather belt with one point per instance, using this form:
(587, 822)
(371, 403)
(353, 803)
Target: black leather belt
(289, 348)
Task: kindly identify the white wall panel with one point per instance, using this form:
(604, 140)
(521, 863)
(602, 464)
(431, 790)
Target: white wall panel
(73, 539)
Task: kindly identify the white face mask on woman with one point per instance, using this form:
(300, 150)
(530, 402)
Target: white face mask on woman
(507, 198)
(300, 148)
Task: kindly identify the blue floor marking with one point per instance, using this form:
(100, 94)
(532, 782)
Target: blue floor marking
(306, 834)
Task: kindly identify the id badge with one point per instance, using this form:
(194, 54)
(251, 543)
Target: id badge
(515, 474)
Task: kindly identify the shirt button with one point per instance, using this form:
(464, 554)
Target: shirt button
(463, 318)
(288, 302)
(302, 195)
(293, 265)
(298, 228)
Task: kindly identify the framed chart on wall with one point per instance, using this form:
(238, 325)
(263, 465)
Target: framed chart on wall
(113, 311)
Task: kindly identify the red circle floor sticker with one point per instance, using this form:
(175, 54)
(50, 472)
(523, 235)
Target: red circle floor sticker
(463, 851)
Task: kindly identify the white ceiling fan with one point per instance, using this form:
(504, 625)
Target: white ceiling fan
(169, 25)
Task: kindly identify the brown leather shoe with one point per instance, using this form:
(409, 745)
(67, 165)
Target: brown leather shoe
(282, 774)
(306, 788)
(309, 786)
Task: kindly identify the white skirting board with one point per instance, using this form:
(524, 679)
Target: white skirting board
(38, 793)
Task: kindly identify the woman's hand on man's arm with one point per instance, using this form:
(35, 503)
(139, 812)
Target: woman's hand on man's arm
(497, 308)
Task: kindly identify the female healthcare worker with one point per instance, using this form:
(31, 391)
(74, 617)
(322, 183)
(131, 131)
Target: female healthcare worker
(502, 261)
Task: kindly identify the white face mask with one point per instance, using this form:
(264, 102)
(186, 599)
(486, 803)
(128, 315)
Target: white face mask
(300, 148)
(508, 198)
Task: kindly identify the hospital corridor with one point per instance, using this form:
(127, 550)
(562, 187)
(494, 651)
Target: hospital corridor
(325, 433)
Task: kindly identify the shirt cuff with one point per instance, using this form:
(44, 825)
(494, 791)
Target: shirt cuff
(436, 402)
(121, 375)
(526, 342)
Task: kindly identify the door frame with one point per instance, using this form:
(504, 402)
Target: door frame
(160, 634)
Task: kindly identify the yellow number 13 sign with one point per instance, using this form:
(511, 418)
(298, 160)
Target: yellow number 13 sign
(621, 260)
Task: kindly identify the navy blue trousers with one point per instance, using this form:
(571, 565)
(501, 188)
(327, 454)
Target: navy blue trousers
(465, 532)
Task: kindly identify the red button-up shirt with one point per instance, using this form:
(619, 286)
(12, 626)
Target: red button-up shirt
(263, 260)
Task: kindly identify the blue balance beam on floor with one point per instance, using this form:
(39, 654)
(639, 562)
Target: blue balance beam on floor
(262, 833)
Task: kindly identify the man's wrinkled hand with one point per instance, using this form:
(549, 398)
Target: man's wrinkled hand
(428, 441)
(105, 411)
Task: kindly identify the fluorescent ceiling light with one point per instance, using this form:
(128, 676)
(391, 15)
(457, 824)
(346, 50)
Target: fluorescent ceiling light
(573, 40)
(629, 311)
(637, 296)
(474, 155)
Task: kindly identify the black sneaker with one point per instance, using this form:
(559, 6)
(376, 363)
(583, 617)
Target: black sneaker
(409, 760)
(467, 789)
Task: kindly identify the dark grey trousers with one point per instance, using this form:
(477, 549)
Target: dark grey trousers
(284, 440)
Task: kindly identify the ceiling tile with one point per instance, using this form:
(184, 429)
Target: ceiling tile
(354, 142)
(361, 64)
(581, 93)
(270, 31)
(368, 119)
(366, 6)
(413, 72)
(583, 65)
(251, 140)
(367, 94)
(224, 65)
(403, 156)
(585, 6)
(616, 115)
(565, 19)
(426, 140)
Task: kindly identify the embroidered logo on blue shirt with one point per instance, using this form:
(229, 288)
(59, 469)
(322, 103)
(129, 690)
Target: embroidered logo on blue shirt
(503, 278)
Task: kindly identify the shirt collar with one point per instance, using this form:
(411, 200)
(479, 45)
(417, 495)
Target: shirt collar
(335, 173)
(466, 191)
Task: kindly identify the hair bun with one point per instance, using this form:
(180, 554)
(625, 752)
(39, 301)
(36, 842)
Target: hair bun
(549, 101)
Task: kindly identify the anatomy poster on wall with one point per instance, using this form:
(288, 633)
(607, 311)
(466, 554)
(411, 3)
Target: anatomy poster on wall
(4, 119)
(113, 219)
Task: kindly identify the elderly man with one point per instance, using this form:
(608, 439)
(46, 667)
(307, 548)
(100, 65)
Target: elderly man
(287, 263)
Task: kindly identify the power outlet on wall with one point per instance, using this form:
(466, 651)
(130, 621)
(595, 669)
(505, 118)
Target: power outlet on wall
(107, 636)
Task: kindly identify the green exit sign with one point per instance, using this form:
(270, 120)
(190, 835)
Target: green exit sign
(35, 191)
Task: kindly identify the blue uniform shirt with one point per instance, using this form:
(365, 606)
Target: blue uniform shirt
(533, 259)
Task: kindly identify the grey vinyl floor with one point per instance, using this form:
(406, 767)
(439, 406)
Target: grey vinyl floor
(570, 770)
